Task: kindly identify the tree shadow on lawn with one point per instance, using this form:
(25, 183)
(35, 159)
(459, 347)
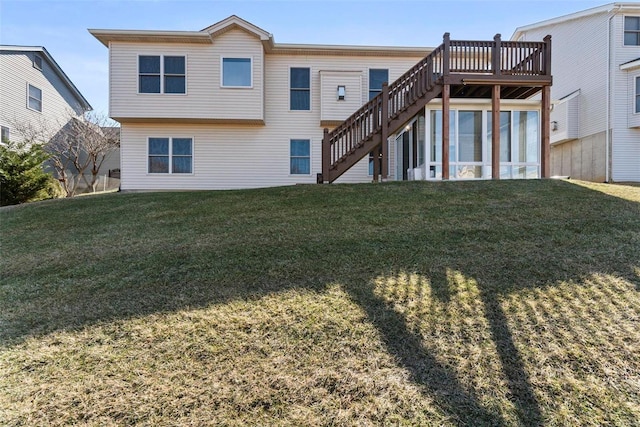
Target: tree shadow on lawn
(503, 251)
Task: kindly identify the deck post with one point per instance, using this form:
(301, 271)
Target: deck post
(446, 89)
(376, 164)
(326, 156)
(385, 130)
(495, 60)
(495, 132)
(545, 132)
(547, 55)
(446, 41)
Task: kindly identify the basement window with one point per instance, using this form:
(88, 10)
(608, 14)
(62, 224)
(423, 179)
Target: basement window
(170, 155)
(300, 157)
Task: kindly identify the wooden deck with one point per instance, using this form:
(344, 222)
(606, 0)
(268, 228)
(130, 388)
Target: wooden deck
(460, 69)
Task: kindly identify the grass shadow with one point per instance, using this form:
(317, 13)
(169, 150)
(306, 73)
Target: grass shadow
(81, 262)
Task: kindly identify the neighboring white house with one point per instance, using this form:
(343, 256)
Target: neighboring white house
(227, 107)
(35, 90)
(595, 121)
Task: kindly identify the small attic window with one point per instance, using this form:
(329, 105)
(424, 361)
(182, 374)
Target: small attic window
(37, 62)
(342, 91)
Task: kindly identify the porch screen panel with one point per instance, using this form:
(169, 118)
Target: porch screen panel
(470, 136)
(436, 135)
(505, 134)
(526, 134)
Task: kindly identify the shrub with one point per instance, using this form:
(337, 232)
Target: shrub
(22, 177)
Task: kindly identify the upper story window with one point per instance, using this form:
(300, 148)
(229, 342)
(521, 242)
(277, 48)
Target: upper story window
(170, 155)
(376, 78)
(34, 98)
(236, 72)
(37, 62)
(161, 74)
(637, 109)
(300, 89)
(632, 30)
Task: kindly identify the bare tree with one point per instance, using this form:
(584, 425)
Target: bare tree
(99, 141)
(77, 146)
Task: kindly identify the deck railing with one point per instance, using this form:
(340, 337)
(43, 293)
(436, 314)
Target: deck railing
(451, 57)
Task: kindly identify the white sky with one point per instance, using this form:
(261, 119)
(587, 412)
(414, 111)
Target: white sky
(61, 26)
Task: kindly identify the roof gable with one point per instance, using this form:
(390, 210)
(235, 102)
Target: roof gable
(235, 22)
(56, 68)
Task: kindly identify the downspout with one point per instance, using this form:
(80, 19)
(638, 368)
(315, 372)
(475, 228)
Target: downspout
(608, 152)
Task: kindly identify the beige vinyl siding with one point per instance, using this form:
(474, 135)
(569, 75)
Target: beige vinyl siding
(16, 73)
(296, 124)
(331, 107)
(205, 97)
(236, 156)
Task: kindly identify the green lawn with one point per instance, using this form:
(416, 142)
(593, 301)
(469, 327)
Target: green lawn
(455, 303)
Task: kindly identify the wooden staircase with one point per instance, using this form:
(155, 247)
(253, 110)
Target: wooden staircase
(455, 68)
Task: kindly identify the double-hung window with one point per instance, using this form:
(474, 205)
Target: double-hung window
(300, 163)
(376, 78)
(171, 155)
(34, 98)
(161, 74)
(300, 89)
(236, 72)
(632, 30)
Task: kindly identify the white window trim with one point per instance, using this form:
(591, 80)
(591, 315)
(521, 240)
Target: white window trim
(170, 172)
(310, 156)
(41, 99)
(624, 45)
(222, 58)
(310, 90)
(162, 92)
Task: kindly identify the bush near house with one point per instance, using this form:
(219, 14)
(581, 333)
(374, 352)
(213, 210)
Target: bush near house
(22, 178)
(454, 303)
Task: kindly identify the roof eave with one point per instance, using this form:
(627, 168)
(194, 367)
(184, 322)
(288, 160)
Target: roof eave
(107, 36)
(56, 68)
(576, 15)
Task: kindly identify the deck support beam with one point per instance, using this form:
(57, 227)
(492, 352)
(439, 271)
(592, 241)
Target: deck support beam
(545, 123)
(446, 90)
(495, 132)
(377, 154)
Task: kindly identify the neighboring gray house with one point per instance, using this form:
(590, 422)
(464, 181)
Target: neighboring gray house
(34, 89)
(595, 122)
